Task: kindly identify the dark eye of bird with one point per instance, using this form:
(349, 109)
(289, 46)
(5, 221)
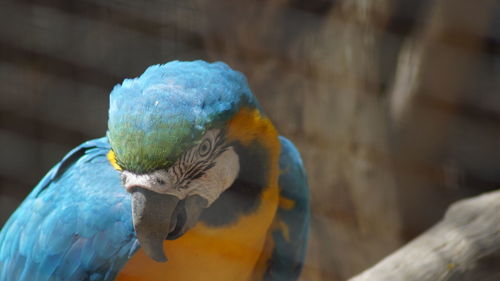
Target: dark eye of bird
(160, 181)
(204, 148)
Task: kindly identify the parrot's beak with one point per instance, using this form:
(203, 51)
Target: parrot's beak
(158, 217)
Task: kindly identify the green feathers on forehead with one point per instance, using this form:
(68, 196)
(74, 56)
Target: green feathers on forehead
(154, 118)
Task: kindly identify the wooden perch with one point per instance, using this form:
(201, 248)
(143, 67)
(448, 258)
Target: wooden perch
(465, 245)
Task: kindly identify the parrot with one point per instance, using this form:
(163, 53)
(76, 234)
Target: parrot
(190, 182)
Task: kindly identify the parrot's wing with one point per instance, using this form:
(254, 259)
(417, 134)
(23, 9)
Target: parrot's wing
(75, 225)
(291, 225)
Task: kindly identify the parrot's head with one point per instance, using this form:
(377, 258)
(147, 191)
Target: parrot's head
(168, 133)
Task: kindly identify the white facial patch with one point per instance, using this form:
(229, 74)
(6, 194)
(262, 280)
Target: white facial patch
(207, 170)
(219, 178)
(157, 181)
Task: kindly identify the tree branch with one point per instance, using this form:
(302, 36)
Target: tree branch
(465, 245)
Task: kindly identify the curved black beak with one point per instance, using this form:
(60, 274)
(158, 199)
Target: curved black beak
(157, 217)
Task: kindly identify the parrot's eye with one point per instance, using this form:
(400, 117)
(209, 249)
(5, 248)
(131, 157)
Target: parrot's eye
(160, 181)
(194, 163)
(204, 148)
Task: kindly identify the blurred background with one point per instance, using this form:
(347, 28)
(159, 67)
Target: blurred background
(394, 104)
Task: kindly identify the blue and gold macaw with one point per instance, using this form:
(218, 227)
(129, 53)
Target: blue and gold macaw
(191, 167)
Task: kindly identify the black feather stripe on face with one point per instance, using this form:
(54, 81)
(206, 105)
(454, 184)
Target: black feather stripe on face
(193, 165)
(243, 196)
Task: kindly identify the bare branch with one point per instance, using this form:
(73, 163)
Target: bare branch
(460, 247)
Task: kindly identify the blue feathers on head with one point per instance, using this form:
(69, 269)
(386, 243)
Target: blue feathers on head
(157, 116)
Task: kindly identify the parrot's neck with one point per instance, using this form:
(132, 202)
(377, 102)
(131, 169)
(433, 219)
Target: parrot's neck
(245, 194)
(256, 142)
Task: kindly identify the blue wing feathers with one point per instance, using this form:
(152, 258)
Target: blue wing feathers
(29, 271)
(75, 225)
(68, 265)
(287, 258)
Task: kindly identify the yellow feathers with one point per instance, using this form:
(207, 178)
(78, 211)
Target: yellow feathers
(112, 159)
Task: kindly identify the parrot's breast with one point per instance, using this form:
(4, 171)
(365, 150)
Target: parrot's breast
(207, 253)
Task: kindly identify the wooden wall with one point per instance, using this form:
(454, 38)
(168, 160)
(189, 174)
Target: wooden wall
(393, 104)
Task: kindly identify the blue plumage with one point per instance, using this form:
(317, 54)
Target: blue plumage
(75, 225)
(289, 252)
